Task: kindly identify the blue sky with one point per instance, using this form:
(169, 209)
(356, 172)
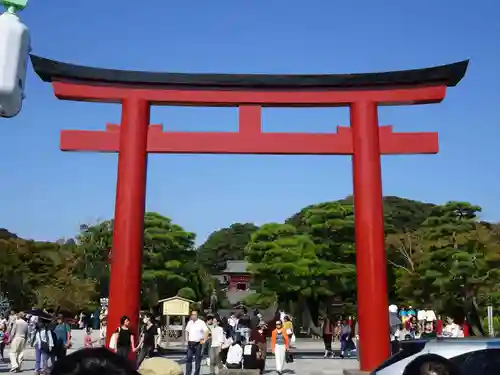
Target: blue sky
(46, 194)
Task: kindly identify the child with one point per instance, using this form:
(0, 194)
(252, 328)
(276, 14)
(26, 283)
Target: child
(87, 341)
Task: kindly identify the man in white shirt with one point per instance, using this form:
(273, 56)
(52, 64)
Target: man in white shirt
(197, 334)
(234, 356)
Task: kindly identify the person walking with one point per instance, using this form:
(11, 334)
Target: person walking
(102, 332)
(205, 347)
(197, 334)
(150, 339)
(17, 339)
(43, 343)
(288, 326)
(279, 346)
(88, 343)
(328, 331)
(259, 338)
(4, 338)
(216, 341)
(63, 338)
(346, 343)
(124, 338)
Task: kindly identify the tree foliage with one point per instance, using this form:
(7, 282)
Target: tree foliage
(281, 260)
(225, 244)
(439, 256)
(43, 274)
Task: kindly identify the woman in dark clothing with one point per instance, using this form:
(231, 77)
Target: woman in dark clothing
(125, 340)
(327, 328)
(259, 337)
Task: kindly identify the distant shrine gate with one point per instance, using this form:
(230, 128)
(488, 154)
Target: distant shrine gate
(134, 137)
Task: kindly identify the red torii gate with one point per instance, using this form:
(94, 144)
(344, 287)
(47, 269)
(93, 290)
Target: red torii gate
(134, 138)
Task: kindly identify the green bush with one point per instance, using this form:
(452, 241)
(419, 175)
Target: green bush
(496, 325)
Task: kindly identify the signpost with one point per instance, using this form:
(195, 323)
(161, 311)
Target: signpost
(491, 327)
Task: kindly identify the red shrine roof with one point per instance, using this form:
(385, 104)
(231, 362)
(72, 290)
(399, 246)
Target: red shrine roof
(448, 75)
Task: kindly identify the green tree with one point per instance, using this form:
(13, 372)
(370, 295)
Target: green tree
(225, 244)
(330, 225)
(281, 261)
(169, 258)
(15, 274)
(93, 244)
(66, 291)
(42, 273)
(452, 260)
(169, 262)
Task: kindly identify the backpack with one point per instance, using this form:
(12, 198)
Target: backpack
(44, 345)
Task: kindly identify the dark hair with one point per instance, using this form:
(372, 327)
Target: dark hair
(98, 361)
(123, 319)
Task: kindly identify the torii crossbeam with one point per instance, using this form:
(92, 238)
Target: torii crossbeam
(133, 138)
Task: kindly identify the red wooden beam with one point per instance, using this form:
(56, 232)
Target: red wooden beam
(250, 142)
(109, 94)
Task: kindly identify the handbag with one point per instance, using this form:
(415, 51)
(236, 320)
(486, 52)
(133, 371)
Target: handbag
(288, 357)
(113, 341)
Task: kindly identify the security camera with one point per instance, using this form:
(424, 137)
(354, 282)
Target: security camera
(14, 52)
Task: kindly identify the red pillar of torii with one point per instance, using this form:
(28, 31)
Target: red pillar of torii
(365, 140)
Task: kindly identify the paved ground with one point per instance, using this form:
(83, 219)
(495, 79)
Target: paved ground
(308, 359)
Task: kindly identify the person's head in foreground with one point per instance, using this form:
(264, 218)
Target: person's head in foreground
(98, 361)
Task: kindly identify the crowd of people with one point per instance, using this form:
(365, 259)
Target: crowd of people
(340, 330)
(237, 342)
(416, 324)
(50, 338)
(234, 342)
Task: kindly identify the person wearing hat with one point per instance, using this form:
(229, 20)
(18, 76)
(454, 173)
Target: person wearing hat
(279, 346)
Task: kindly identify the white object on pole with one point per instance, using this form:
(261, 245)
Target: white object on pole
(491, 328)
(14, 52)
